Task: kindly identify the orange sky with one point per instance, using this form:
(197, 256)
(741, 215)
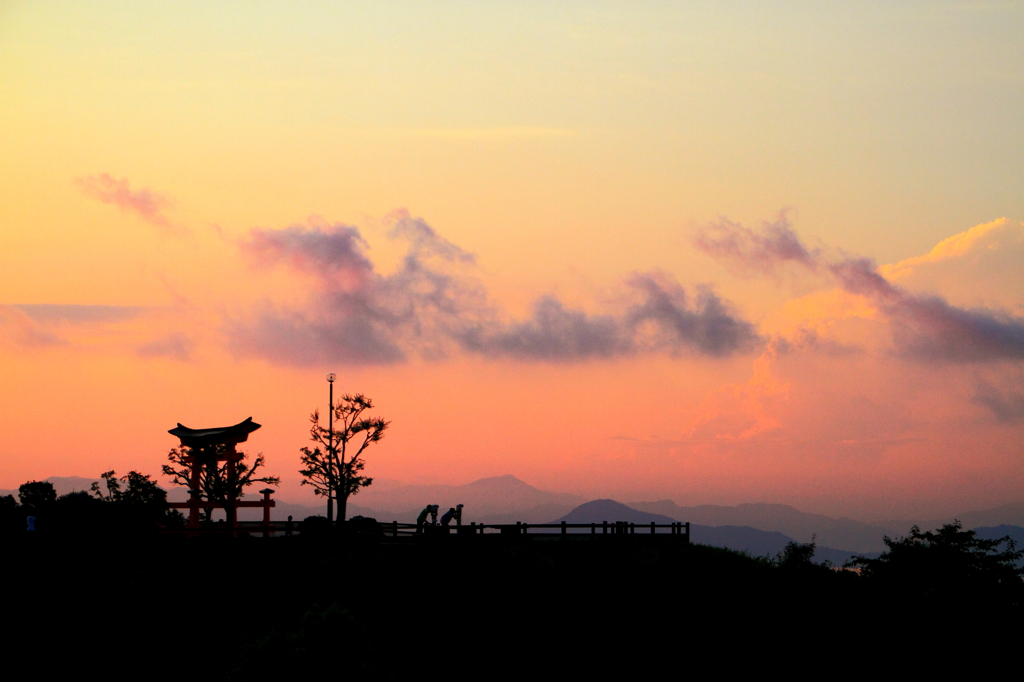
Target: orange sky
(545, 239)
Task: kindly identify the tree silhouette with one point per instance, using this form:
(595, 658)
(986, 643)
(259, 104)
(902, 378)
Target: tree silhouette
(139, 504)
(949, 566)
(214, 484)
(139, 490)
(334, 468)
(36, 496)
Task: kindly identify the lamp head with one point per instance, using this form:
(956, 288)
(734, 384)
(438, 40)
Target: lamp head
(330, 378)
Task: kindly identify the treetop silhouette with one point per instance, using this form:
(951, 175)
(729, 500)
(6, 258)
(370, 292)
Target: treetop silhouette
(334, 467)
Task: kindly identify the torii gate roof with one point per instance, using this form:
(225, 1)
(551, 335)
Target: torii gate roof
(221, 435)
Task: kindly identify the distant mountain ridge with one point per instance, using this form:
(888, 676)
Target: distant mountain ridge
(1008, 514)
(801, 526)
(754, 541)
(62, 485)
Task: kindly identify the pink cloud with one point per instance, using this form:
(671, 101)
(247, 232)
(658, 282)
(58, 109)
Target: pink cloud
(143, 203)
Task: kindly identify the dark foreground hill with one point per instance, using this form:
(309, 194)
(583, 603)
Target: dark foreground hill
(327, 607)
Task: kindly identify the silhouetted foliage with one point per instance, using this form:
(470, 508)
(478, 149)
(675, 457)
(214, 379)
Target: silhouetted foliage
(363, 527)
(79, 512)
(313, 526)
(214, 485)
(137, 502)
(798, 555)
(951, 566)
(36, 496)
(10, 518)
(139, 489)
(335, 471)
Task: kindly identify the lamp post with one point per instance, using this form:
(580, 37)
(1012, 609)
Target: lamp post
(330, 448)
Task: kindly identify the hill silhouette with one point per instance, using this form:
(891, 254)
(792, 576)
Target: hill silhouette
(597, 511)
(1008, 514)
(62, 485)
(1016, 533)
(754, 541)
(782, 518)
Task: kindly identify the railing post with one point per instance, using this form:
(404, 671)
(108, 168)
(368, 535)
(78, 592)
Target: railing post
(652, 527)
(593, 528)
(631, 528)
(394, 529)
(687, 532)
(563, 527)
(605, 530)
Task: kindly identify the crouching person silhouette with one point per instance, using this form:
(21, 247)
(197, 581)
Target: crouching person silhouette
(421, 520)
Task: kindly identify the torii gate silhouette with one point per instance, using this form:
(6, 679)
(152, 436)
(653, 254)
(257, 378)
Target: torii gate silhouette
(200, 444)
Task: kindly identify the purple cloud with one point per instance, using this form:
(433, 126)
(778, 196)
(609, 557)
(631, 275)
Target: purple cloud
(925, 327)
(79, 314)
(431, 306)
(660, 318)
(1006, 405)
(357, 314)
(19, 328)
(754, 251)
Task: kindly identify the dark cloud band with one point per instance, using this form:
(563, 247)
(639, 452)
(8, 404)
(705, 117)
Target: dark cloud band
(432, 306)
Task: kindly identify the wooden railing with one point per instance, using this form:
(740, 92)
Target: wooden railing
(395, 530)
(681, 531)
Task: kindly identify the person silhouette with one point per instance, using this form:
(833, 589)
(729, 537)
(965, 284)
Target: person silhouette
(421, 520)
(448, 516)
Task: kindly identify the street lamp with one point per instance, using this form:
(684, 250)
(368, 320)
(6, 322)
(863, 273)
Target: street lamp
(330, 448)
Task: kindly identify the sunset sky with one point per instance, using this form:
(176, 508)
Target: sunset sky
(712, 252)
